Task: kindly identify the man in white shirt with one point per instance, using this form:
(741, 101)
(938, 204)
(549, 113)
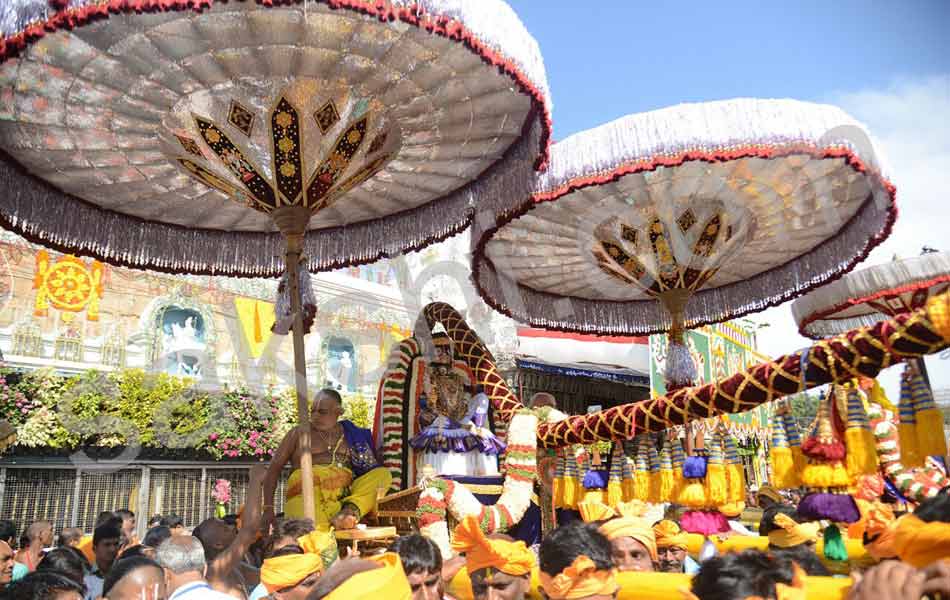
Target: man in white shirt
(183, 559)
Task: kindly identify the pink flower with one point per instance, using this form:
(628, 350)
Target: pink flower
(24, 410)
(213, 436)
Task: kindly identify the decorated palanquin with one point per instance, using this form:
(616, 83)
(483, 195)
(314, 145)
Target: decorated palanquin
(433, 428)
(429, 415)
(643, 460)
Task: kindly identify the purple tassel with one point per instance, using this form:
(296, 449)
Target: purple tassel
(694, 467)
(595, 480)
(839, 508)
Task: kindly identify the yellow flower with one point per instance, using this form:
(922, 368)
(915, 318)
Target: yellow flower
(284, 119)
(285, 145)
(353, 137)
(288, 170)
(213, 136)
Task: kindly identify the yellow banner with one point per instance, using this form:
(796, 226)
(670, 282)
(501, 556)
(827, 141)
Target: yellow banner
(256, 318)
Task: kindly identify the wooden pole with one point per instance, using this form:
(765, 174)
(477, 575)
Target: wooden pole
(292, 221)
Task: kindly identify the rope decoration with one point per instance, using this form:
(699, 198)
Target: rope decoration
(859, 352)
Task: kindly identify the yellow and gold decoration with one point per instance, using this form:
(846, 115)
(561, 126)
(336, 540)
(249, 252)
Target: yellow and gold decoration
(670, 259)
(68, 284)
(243, 169)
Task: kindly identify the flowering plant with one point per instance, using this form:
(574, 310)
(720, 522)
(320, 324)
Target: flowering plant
(14, 404)
(221, 491)
(254, 425)
(156, 410)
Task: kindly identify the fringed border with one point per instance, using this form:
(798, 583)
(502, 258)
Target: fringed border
(413, 14)
(49, 217)
(866, 229)
(817, 325)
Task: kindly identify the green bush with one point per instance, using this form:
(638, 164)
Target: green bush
(359, 410)
(132, 407)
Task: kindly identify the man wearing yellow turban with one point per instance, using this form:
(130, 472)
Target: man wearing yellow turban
(767, 496)
(671, 549)
(789, 533)
(498, 568)
(576, 564)
(354, 579)
(879, 528)
(791, 539)
(291, 574)
(633, 545)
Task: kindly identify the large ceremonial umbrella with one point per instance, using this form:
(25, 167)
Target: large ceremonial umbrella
(869, 295)
(199, 136)
(685, 216)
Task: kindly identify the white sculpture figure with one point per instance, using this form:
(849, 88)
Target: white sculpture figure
(340, 375)
(184, 343)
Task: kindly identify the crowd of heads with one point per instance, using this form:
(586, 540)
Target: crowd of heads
(583, 558)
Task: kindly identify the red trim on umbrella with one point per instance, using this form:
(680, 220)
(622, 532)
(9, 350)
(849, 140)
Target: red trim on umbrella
(851, 302)
(533, 332)
(645, 165)
(69, 18)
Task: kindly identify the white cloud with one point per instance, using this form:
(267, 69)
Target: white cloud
(911, 121)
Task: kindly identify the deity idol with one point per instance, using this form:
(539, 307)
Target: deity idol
(456, 439)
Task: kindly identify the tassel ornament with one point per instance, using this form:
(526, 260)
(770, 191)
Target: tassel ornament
(907, 424)
(858, 437)
(930, 438)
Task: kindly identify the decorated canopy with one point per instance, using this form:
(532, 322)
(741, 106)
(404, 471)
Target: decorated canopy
(162, 134)
(873, 294)
(198, 135)
(716, 210)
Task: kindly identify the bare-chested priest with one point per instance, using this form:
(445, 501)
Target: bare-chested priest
(346, 470)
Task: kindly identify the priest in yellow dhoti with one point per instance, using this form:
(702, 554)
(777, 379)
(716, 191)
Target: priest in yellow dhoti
(346, 471)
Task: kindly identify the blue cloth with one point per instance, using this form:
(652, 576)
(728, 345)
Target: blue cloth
(259, 592)
(690, 566)
(19, 571)
(528, 530)
(362, 452)
(93, 583)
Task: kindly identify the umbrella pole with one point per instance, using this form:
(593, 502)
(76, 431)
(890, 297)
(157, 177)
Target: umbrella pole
(292, 222)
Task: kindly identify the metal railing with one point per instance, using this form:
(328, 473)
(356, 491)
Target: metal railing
(69, 496)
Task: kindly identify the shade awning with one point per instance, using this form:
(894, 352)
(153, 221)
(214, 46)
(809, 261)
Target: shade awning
(619, 356)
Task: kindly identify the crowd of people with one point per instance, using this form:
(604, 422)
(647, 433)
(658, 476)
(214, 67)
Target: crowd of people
(587, 558)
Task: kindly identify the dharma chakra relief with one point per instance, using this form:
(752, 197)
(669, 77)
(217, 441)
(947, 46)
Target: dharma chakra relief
(67, 284)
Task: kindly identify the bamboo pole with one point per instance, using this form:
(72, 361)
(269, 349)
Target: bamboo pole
(292, 221)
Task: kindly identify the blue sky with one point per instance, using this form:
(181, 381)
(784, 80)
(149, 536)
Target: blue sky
(606, 59)
(885, 63)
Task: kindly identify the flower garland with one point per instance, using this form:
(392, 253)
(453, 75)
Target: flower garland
(431, 513)
(441, 497)
(916, 484)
